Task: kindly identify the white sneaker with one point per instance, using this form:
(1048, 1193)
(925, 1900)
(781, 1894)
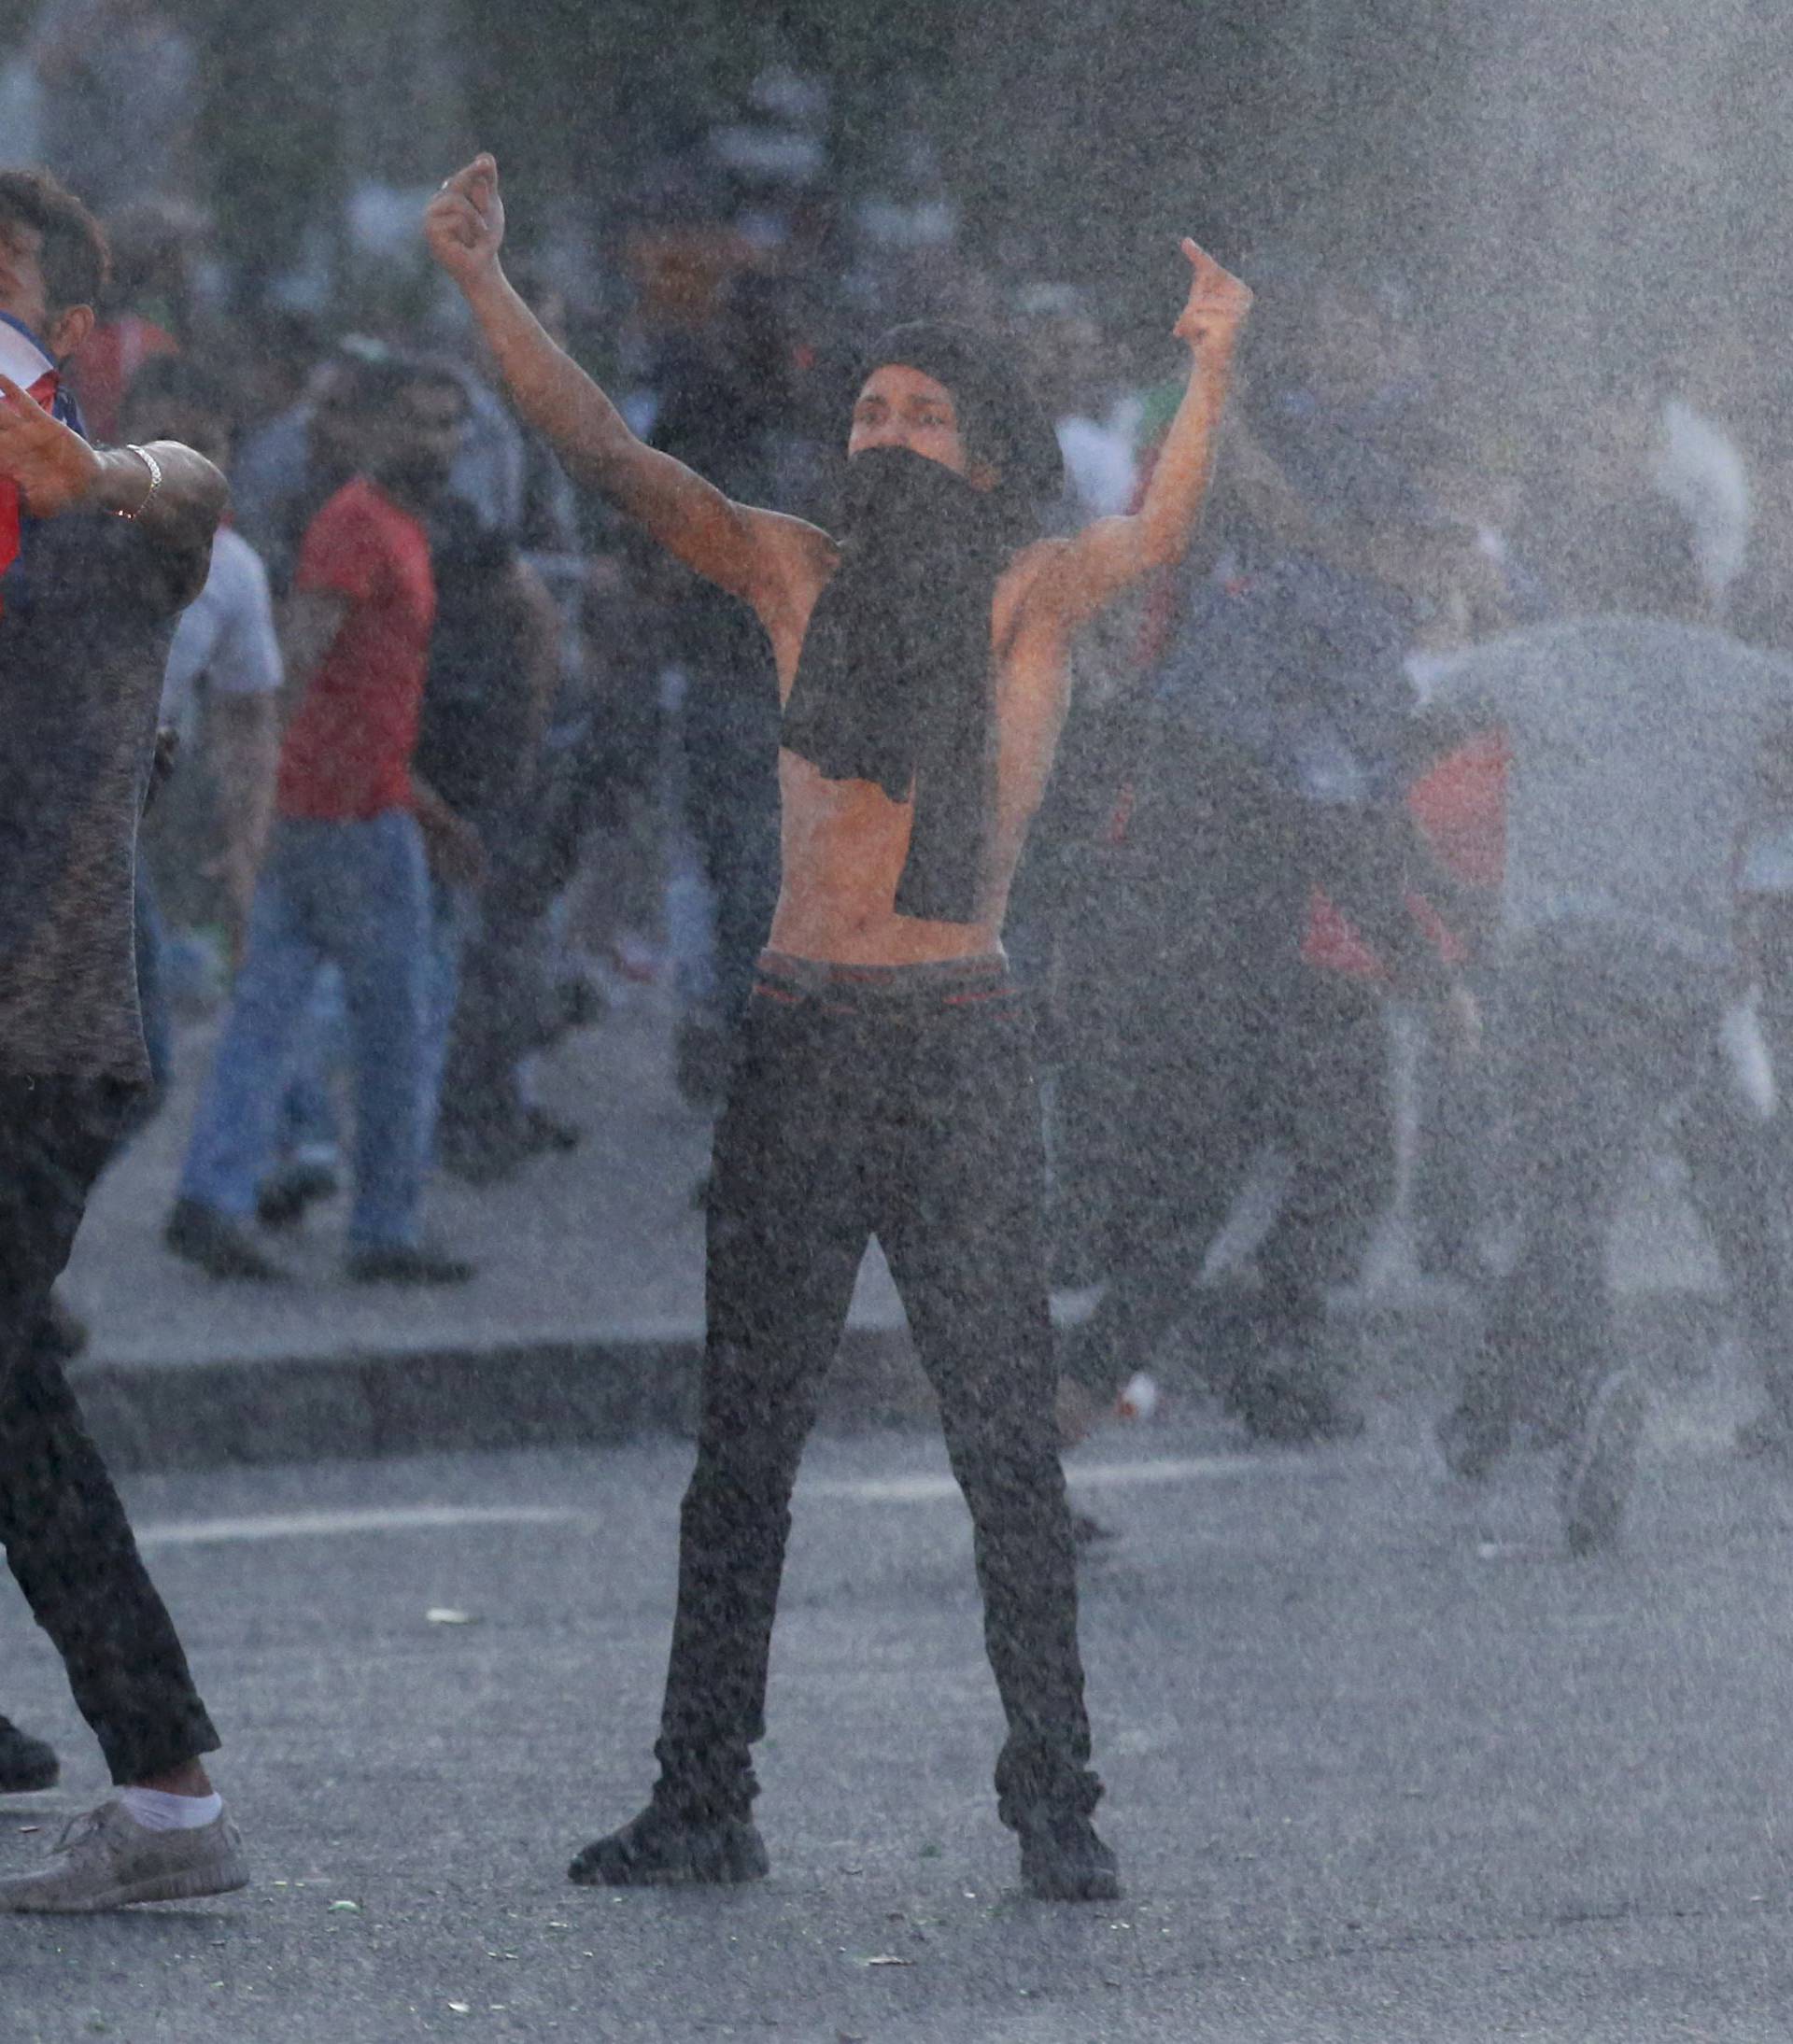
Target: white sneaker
(105, 1859)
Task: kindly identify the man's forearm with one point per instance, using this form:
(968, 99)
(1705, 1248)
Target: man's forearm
(1179, 478)
(181, 512)
(548, 387)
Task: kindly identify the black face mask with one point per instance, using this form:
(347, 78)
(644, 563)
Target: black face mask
(894, 683)
(896, 502)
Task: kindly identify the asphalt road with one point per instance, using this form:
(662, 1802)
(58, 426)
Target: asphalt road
(1382, 1765)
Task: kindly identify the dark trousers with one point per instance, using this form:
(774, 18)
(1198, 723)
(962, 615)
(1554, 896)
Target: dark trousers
(67, 1540)
(1600, 1039)
(901, 1105)
(1458, 1121)
(1248, 1054)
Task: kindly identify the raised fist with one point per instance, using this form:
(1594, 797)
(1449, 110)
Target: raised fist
(464, 223)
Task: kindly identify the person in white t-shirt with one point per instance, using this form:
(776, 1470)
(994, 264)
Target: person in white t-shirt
(1637, 733)
(224, 670)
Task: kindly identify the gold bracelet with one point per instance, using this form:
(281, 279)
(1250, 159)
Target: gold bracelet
(154, 467)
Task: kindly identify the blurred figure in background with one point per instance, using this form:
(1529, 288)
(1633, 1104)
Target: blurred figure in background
(493, 676)
(1238, 1006)
(1071, 364)
(95, 58)
(149, 309)
(1636, 733)
(726, 397)
(222, 692)
(345, 879)
(1454, 773)
(292, 464)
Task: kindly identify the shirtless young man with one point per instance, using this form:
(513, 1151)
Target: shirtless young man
(885, 1083)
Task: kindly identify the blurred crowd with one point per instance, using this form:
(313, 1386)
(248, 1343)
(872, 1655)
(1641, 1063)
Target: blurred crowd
(1275, 823)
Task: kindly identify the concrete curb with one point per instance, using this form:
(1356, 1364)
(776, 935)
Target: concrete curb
(442, 1399)
(616, 1384)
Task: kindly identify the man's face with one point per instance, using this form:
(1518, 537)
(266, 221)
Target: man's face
(334, 431)
(24, 296)
(902, 408)
(422, 437)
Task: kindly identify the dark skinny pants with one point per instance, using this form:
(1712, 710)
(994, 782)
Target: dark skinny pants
(68, 1539)
(902, 1103)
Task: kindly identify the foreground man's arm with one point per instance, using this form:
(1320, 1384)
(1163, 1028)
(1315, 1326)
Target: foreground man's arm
(58, 473)
(758, 555)
(1092, 570)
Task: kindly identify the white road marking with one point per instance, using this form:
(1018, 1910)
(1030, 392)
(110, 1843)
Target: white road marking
(403, 1519)
(917, 1489)
(1081, 1476)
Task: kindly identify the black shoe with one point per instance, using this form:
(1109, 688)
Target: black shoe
(660, 1849)
(1602, 1462)
(27, 1766)
(1062, 1859)
(289, 1188)
(1292, 1409)
(222, 1247)
(406, 1264)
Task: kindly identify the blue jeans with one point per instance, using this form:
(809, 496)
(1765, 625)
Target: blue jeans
(308, 1131)
(356, 894)
(306, 1128)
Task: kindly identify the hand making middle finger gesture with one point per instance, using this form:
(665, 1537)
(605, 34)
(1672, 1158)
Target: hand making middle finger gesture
(1218, 301)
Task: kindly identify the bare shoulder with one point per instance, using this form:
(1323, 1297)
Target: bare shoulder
(797, 551)
(798, 559)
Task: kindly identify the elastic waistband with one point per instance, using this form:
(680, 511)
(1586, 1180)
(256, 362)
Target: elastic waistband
(946, 982)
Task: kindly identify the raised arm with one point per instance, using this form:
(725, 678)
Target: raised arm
(1109, 555)
(755, 554)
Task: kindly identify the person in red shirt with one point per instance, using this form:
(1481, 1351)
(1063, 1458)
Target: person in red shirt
(347, 879)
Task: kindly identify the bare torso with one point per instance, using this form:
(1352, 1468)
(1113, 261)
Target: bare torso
(845, 841)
